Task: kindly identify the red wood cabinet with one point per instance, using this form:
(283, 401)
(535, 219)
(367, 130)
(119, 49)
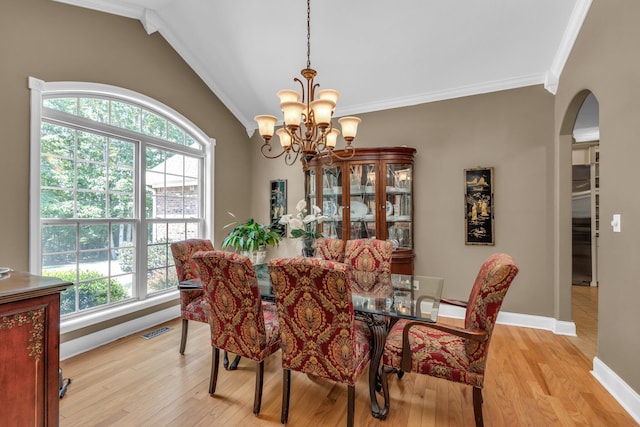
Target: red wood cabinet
(29, 349)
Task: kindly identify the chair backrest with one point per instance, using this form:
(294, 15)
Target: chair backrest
(315, 313)
(489, 289)
(330, 249)
(231, 288)
(182, 251)
(370, 262)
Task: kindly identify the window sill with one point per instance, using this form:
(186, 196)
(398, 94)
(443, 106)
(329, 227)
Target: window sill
(94, 318)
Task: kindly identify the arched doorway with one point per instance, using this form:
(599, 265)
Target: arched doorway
(585, 196)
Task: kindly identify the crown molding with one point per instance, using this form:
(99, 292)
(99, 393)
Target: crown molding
(569, 37)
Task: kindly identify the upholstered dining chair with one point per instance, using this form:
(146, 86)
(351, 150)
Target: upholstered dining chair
(236, 317)
(193, 305)
(330, 249)
(370, 262)
(449, 352)
(318, 333)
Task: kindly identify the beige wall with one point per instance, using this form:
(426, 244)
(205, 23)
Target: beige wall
(511, 131)
(606, 61)
(54, 42)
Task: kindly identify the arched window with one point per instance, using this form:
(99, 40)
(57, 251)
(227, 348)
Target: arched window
(115, 178)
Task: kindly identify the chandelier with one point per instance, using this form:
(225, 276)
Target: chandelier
(307, 129)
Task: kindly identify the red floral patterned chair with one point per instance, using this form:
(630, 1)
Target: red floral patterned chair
(318, 333)
(370, 262)
(455, 354)
(330, 249)
(237, 319)
(192, 302)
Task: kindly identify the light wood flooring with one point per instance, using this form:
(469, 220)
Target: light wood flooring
(534, 378)
(585, 316)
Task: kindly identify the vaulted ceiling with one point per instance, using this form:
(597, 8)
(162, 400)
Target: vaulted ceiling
(378, 54)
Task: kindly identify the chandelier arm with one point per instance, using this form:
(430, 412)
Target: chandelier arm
(266, 150)
(350, 148)
(289, 161)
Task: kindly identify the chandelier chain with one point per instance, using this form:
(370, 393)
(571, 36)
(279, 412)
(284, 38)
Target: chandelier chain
(308, 33)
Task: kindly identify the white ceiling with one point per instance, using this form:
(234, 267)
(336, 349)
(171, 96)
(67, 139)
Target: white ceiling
(378, 54)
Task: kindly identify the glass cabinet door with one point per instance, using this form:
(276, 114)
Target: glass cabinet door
(332, 202)
(398, 207)
(362, 200)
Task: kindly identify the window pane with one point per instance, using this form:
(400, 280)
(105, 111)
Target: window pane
(154, 125)
(67, 300)
(121, 179)
(91, 176)
(92, 147)
(177, 232)
(94, 292)
(175, 134)
(67, 105)
(156, 256)
(95, 109)
(58, 238)
(91, 205)
(57, 140)
(125, 116)
(94, 237)
(191, 202)
(193, 230)
(121, 153)
(157, 233)
(97, 261)
(56, 172)
(56, 204)
(59, 260)
(121, 288)
(124, 261)
(155, 159)
(157, 280)
(175, 164)
(121, 206)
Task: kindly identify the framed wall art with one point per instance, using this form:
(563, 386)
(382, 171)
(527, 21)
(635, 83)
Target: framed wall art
(278, 204)
(478, 206)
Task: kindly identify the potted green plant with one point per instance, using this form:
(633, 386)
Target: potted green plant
(251, 238)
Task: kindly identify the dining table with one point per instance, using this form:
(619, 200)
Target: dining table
(410, 297)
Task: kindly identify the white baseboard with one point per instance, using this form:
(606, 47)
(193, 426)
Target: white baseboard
(89, 342)
(620, 390)
(516, 319)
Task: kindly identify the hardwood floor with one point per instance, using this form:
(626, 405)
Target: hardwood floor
(584, 304)
(534, 378)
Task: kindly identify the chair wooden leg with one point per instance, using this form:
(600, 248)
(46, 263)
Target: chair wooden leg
(183, 339)
(257, 400)
(477, 406)
(234, 364)
(215, 361)
(286, 388)
(351, 403)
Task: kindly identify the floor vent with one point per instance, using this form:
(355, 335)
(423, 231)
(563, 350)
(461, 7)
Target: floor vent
(155, 333)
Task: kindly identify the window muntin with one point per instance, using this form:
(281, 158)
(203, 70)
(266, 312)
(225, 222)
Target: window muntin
(100, 204)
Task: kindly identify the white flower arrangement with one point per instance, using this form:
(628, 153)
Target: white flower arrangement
(303, 225)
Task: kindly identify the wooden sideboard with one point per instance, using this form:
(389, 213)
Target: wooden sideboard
(29, 349)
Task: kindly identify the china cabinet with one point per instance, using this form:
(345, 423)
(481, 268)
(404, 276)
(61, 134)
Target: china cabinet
(367, 196)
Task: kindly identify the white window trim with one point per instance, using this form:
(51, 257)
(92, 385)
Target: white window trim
(39, 89)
